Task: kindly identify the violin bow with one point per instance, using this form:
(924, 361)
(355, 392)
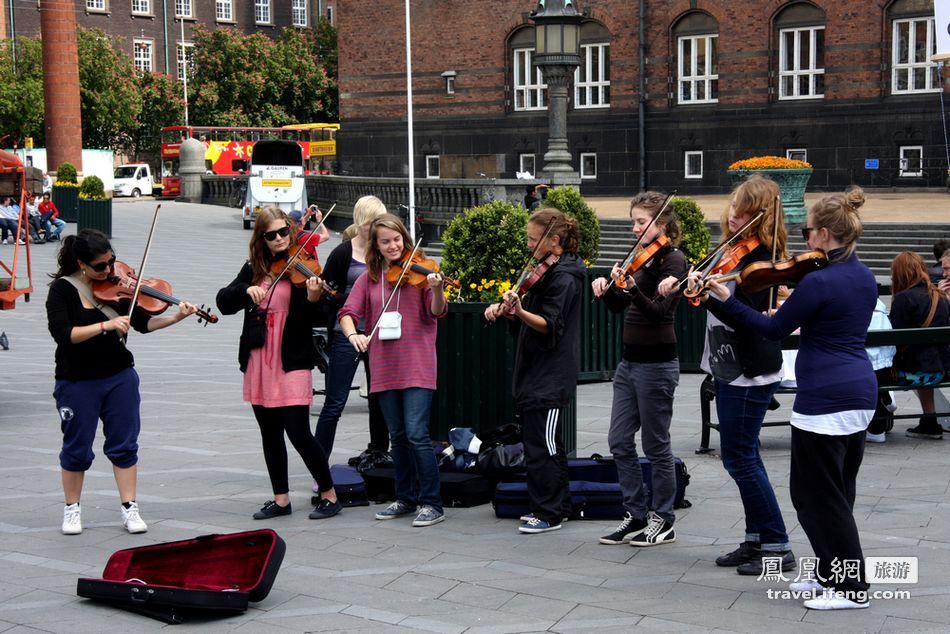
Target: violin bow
(402, 274)
(774, 247)
(291, 260)
(534, 256)
(709, 262)
(141, 273)
(627, 259)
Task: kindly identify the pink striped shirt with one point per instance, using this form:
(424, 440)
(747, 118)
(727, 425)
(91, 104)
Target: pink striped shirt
(402, 363)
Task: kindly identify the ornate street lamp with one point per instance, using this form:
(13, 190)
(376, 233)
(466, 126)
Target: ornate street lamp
(557, 27)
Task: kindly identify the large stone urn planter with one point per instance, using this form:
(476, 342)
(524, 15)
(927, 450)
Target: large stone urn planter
(792, 184)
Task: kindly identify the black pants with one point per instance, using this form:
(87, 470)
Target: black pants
(295, 420)
(822, 485)
(546, 464)
(883, 420)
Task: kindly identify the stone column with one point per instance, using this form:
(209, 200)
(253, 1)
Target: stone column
(558, 78)
(61, 84)
(191, 167)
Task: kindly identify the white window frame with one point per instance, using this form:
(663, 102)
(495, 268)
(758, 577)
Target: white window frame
(523, 159)
(697, 76)
(182, 57)
(181, 6)
(524, 88)
(931, 82)
(790, 63)
(298, 13)
(433, 170)
(903, 173)
(585, 175)
(96, 5)
(450, 84)
(263, 12)
(330, 13)
(142, 62)
(797, 154)
(686, 171)
(224, 10)
(599, 87)
(142, 7)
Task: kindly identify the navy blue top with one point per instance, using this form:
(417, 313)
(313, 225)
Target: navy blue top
(833, 308)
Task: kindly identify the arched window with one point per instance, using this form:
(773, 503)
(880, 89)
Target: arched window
(697, 58)
(801, 52)
(912, 44)
(592, 77)
(529, 90)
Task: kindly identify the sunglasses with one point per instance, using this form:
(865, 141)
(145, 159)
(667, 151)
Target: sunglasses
(807, 230)
(283, 232)
(99, 267)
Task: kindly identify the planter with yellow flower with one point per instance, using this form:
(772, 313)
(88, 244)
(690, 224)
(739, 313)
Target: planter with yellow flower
(95, 208)
(791, 175)
(66, 192)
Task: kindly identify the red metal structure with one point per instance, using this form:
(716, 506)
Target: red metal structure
(14, 282)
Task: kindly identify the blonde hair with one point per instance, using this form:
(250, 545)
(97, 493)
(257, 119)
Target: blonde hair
(366, 209)
(754, 194)
(838, 214)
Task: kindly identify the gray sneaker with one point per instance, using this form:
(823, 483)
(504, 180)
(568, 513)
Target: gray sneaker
(394, 510)
(427, 517)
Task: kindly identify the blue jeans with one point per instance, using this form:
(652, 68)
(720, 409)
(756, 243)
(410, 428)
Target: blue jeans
(339, 379)
(741, 411)
(417, 473)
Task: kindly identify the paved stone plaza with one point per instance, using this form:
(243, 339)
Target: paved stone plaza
(201, 471)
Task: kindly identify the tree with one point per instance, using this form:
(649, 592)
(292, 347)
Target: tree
(163, 105)
(21, 92)
(306, 87)
(109, 92)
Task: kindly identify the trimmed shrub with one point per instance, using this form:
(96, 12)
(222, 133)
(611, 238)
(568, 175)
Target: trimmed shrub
(66, 174)
(92, 188)
(569, 201)
(695, 235)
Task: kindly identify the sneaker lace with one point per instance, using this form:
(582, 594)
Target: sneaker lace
(71, 515)
(656, 525)
(625, 523)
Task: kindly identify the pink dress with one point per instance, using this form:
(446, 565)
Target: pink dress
(265, 382)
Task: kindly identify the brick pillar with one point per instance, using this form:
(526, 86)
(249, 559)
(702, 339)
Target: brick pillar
(61, 83)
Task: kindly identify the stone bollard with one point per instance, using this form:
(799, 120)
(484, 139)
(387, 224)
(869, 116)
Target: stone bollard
(191, 168)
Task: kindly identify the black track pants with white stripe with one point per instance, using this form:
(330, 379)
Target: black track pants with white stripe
(546, 464)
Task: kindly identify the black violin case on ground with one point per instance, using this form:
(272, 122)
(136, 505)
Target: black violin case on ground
(206, 576)
(457, 489)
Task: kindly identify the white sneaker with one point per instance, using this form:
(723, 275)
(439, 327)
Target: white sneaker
(834, 601)
(806, 584)
(876, 437)
(132, 520)
(72, 522)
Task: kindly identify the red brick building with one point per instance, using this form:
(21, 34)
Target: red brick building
(151, 30)
(845, 85)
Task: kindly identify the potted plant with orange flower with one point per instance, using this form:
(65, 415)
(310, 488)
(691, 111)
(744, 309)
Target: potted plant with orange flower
(791, 175)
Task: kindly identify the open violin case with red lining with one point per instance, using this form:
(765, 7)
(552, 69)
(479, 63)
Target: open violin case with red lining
(206, 576)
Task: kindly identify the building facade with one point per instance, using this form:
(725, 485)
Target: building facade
(157, 34)
(664, 98)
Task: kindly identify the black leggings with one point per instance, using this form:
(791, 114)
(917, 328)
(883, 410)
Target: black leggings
(295, 420)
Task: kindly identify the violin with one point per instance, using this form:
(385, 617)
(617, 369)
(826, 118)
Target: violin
(303, 268)
(531, 276)
(417, 271)
(154, 294)
(759, 276)
(642, 259)
(729, 261)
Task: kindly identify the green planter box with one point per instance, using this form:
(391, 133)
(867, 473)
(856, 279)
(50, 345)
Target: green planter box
(95, 214)
(66, 200)
(792, 184)
(476, 362)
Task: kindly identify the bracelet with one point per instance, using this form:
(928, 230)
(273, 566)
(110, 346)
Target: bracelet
(352, 334)
(102, 327)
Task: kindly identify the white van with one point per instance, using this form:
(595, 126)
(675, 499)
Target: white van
(276, 179)
(132, 180)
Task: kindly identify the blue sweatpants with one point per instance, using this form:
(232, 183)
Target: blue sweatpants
(81, 404)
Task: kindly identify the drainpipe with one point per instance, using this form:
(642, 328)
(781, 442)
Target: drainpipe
(642, 105)
(13, 37)
(165, 33)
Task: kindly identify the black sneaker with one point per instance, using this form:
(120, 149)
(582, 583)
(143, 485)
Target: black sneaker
(325, 508)
(658, 531)
(272, 509)
(928, 427)
(758, 567)
(627, 530)
(746, 552)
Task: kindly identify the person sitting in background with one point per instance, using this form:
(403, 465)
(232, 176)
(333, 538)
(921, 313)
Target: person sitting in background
(534, 195)
(33, 216)
(302, 218)
(918, 304)
(937, 271)
(9, 221)
(50, 218)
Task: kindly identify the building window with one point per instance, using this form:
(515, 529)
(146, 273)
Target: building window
(698, 69)
(797, 154)
(143, 7)
(592, 77)
(185, 59)
(298, 9)
(913, 45)
(802, 63)
(912, 160)
(530, 90)
(95, 5)
(449, 77)
(330, 15)
(526, 164)
(142, 55)
(432, 166)
(693, 164)
(224, 10)
(184, 9)
(262, 11)
(588, 165)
